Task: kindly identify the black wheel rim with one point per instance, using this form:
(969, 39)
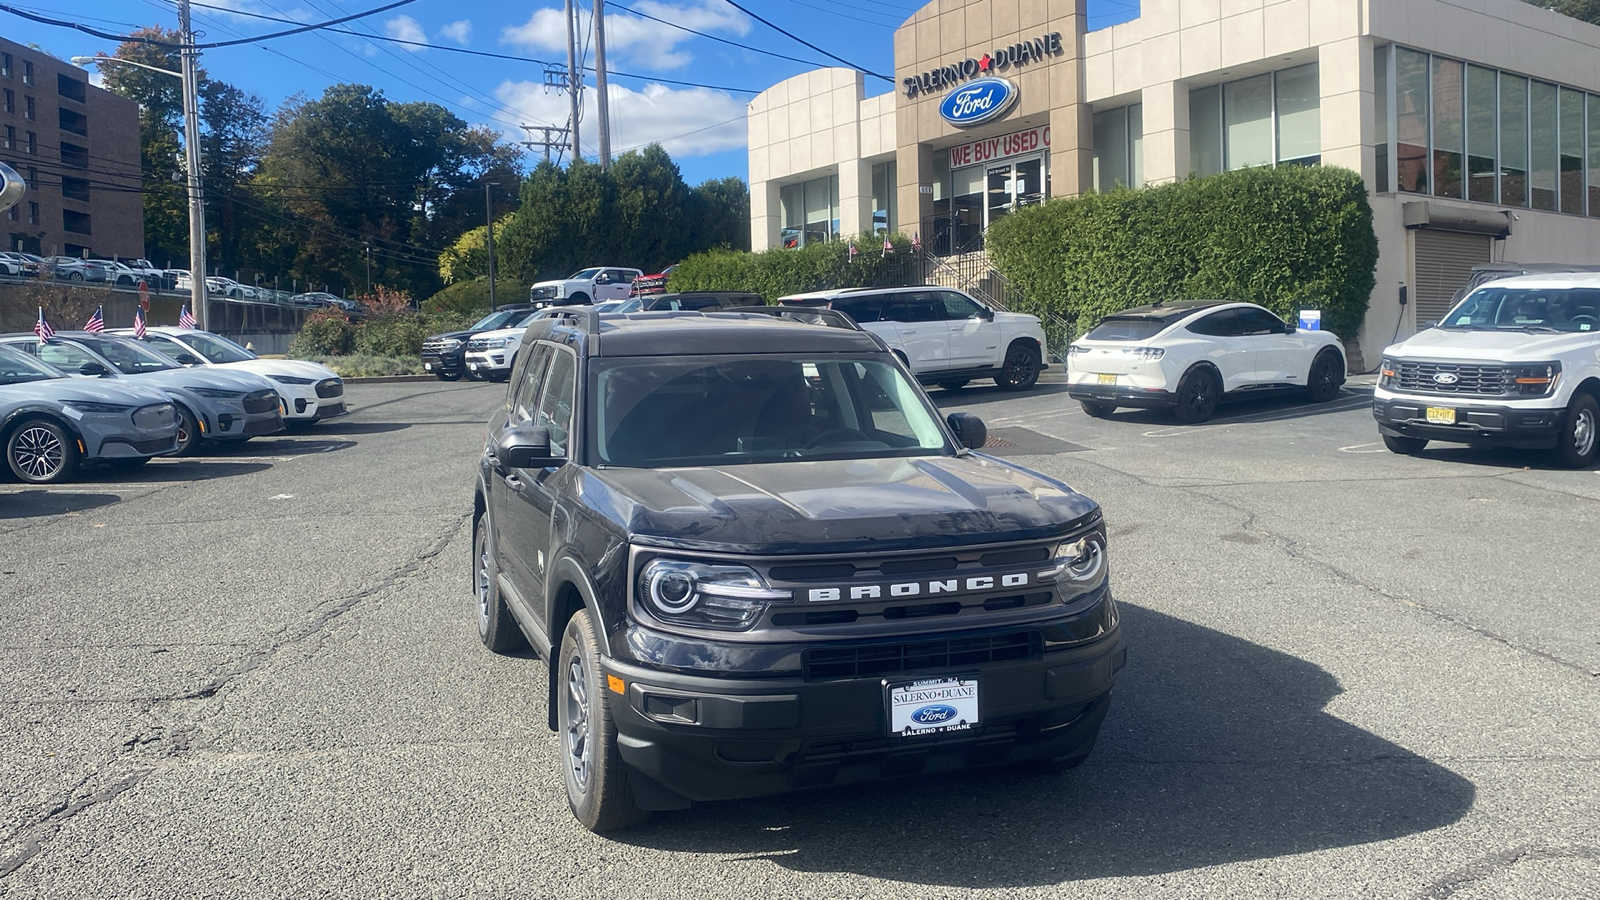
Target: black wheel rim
(1200, 398)
(482, 579)
(1018, 366)
(38, 452)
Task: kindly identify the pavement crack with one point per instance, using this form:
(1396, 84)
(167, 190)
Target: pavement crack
(1495, 863)
(33, 837)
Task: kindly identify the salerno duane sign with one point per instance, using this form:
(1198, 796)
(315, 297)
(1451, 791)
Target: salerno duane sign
(1001, 59)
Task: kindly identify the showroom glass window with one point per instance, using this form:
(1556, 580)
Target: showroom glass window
(1119, 148)
(884, 183)
(1266, 120)
(1482, 138)
(1569, 187)
(809, 211)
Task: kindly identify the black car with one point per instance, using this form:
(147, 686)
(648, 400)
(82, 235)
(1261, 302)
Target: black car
(700, 301)
(443, 354)
(756, 561)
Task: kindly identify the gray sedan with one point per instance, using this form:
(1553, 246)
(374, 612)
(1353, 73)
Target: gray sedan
(214, 404)
(50, 423)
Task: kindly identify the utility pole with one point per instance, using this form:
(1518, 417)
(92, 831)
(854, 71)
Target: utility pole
(602, 103)
(191, 147)
(574, 76)
(554, 137)
(488, 210)
(369, 270)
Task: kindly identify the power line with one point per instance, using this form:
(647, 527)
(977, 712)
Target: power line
(129, 38)
(719, 40)
(802, 40)
(889, 25)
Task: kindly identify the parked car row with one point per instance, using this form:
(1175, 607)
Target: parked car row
(76, 397)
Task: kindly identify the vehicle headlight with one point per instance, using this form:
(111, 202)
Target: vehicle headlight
(728, 598)
(219, 393)
(451, 344)
(560, 290)
(1388, 372)
(1079, 564)
(1145, 353)
(1535, 379)
(496, 343)
(90, 406)
(292, 379)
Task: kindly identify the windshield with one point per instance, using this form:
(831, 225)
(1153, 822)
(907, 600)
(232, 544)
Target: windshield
(17, 367)
(584, 275)
(217, 349)
(727, 410)
(130, 357)
(1493, 308)
(1127, 328)
(495, 320)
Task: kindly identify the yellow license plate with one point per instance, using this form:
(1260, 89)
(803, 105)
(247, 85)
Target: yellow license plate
(1441, 415)
(1107, 379)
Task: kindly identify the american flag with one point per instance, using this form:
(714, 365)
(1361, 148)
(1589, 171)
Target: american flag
(97, 322)
(916, 242)
(888, 248)
(185, 318)
(42, 328)
(852, 251)
(138, 322)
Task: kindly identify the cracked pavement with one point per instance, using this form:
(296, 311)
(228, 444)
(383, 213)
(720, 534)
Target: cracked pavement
(1350, 674)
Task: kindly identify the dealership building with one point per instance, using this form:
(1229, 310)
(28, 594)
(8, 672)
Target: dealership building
(1475, 124)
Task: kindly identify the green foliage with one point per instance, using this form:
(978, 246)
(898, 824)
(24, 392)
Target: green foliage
(368, 366)
(469, 299)
(1587, 10)
(326, 333)
(395, 335)
(776, 273)
(1289, 238)
(468, 257)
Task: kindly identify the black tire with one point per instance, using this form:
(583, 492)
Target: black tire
(40, 451)
(496, 628)
(188, 433)
(476, 376)
(1405, 446)
(449, 376)
(1579, 441)
(124, 281)
(591, 766)
(1198, 394)
(1322, 384)
(1098, 410)
(579, 299)
(1020, 371)
(74, 276)
(953, 385)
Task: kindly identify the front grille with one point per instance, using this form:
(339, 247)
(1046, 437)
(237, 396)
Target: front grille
(330, 387)
(911, 565)
(542, 293)
(156, 416)
(263, 426)
(260, 402)
(1468, 379)
(477, 345)
(444, 345)
(157, 446)
(869, 660)
(331, 409)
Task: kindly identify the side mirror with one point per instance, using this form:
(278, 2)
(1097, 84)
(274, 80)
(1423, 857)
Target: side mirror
(986, 314)
(969, 429)
(1427, 325)
(188, 359)
(525, 447)
(1289, 328)
(602, 279)
(93, 370)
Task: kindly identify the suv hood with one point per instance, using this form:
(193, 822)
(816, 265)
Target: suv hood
(217, 377)
(836, 506)
(100, 390)
(557, 282)
(1492, 346)
(451, 335)
(501, 333)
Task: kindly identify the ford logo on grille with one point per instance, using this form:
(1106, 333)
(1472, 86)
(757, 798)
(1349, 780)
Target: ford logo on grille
(932, 715)
(1446, 378)
(978, 101)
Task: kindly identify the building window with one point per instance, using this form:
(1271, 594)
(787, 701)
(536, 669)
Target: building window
(885, 216)
(809, 211)
(27, 72)
(1267, 120)
(32, 148)
(75, 188)
(1118, 148)
(74, 155)
(1482, 154)
(1542, 152)
(1513, 140)
(74, 221)
(11, 138)
(11, 101)
(1411, 120)
(5, 65)
(28, 108)
(11, 214)
(33, 213)
(71, 88)
(1594, 155)
(1449, 118)
(75, 122)
(1380, 108)
(1572, 152)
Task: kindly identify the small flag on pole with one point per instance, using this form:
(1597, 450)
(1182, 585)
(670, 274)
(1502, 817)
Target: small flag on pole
(888, 248)
(185, 318)
(138, 323)
(916, 242)
(97, 322)
(42, 328)
(853, 251)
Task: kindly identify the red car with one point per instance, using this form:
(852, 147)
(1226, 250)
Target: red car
(649, 285)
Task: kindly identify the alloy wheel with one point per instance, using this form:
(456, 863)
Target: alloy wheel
(38, 452)
(579, 752)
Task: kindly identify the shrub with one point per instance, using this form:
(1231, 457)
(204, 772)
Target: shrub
(470, 298)
(1290, 238)
(392, 335)
(814, 267)
(327, 332)
(368, 366)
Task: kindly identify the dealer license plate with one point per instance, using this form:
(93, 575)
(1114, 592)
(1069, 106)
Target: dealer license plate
(1108, 379)
(933, 706)
(1441, 415)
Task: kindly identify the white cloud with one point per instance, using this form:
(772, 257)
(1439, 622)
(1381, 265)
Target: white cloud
(687, 122)
(641, 42)
(460, 31)
(406, 28)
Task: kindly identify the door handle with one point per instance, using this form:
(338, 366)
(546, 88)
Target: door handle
(513, 482)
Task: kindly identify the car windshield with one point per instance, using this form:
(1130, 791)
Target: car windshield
(17, 367)
(584, 275)
(495, 320)
(215, 348)
(130, 357)
(1127, 328)
(1493, 308)
(726, 410)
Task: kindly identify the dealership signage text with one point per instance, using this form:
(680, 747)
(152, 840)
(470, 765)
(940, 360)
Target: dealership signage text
(1002, 58)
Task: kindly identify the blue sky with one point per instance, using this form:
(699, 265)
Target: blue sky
(703, 127)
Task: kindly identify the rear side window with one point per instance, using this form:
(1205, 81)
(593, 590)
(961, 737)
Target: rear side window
(1218, 324)
(865, 308)
(913, 307)
(1126, 328)
(1259, 321)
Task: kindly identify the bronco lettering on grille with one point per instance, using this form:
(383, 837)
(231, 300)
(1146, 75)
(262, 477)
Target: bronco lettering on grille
(918, 588)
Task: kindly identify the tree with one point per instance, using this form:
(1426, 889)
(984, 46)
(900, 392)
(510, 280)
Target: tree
(230, 150)
(1587, 10)
(160, 99)
(719, 214)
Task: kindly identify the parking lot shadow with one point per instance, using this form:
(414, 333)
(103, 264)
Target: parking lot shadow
(31, 504)
(1216, 751)
(1280, 408)
(340, 426)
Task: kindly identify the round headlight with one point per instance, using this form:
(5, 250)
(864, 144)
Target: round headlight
(1082, 559)
(673, 591)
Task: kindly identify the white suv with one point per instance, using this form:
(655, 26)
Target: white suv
(1515, 364)
(944, 336)
(595, 285)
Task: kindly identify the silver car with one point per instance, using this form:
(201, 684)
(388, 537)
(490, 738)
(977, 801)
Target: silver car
(51, 423)
(213, 404)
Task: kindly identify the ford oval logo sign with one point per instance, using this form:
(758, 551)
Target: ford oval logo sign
(932, 715)
(1446, 378)
(978, 101)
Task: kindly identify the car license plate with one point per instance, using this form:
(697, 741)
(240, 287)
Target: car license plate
(1107, 379)
(933, 706)
(1441, 415)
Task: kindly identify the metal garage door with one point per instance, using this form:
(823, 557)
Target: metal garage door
(1444, 264)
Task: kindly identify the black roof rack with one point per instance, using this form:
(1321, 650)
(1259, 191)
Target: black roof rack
(809, 315)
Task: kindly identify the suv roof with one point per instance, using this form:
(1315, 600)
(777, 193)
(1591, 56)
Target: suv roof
(833, 293)
(695, 333)
(1561, 279)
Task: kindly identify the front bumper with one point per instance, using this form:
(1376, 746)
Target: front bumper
(434, 363)
(1496, 425)
(302, 404)
(697, 738)
(491, 362)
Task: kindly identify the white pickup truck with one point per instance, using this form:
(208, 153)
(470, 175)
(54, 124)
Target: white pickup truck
(593, 285)
(1515, 364)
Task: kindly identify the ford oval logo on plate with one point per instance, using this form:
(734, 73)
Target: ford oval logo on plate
(1446, 378)
(933, 715)
(978, 101)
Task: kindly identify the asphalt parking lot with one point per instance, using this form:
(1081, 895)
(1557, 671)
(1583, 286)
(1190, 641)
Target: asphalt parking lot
(1351, 674)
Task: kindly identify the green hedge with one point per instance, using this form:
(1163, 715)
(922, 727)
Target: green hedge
(1290, 238)
(776, 273)
(326, 333)
(470, 297)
